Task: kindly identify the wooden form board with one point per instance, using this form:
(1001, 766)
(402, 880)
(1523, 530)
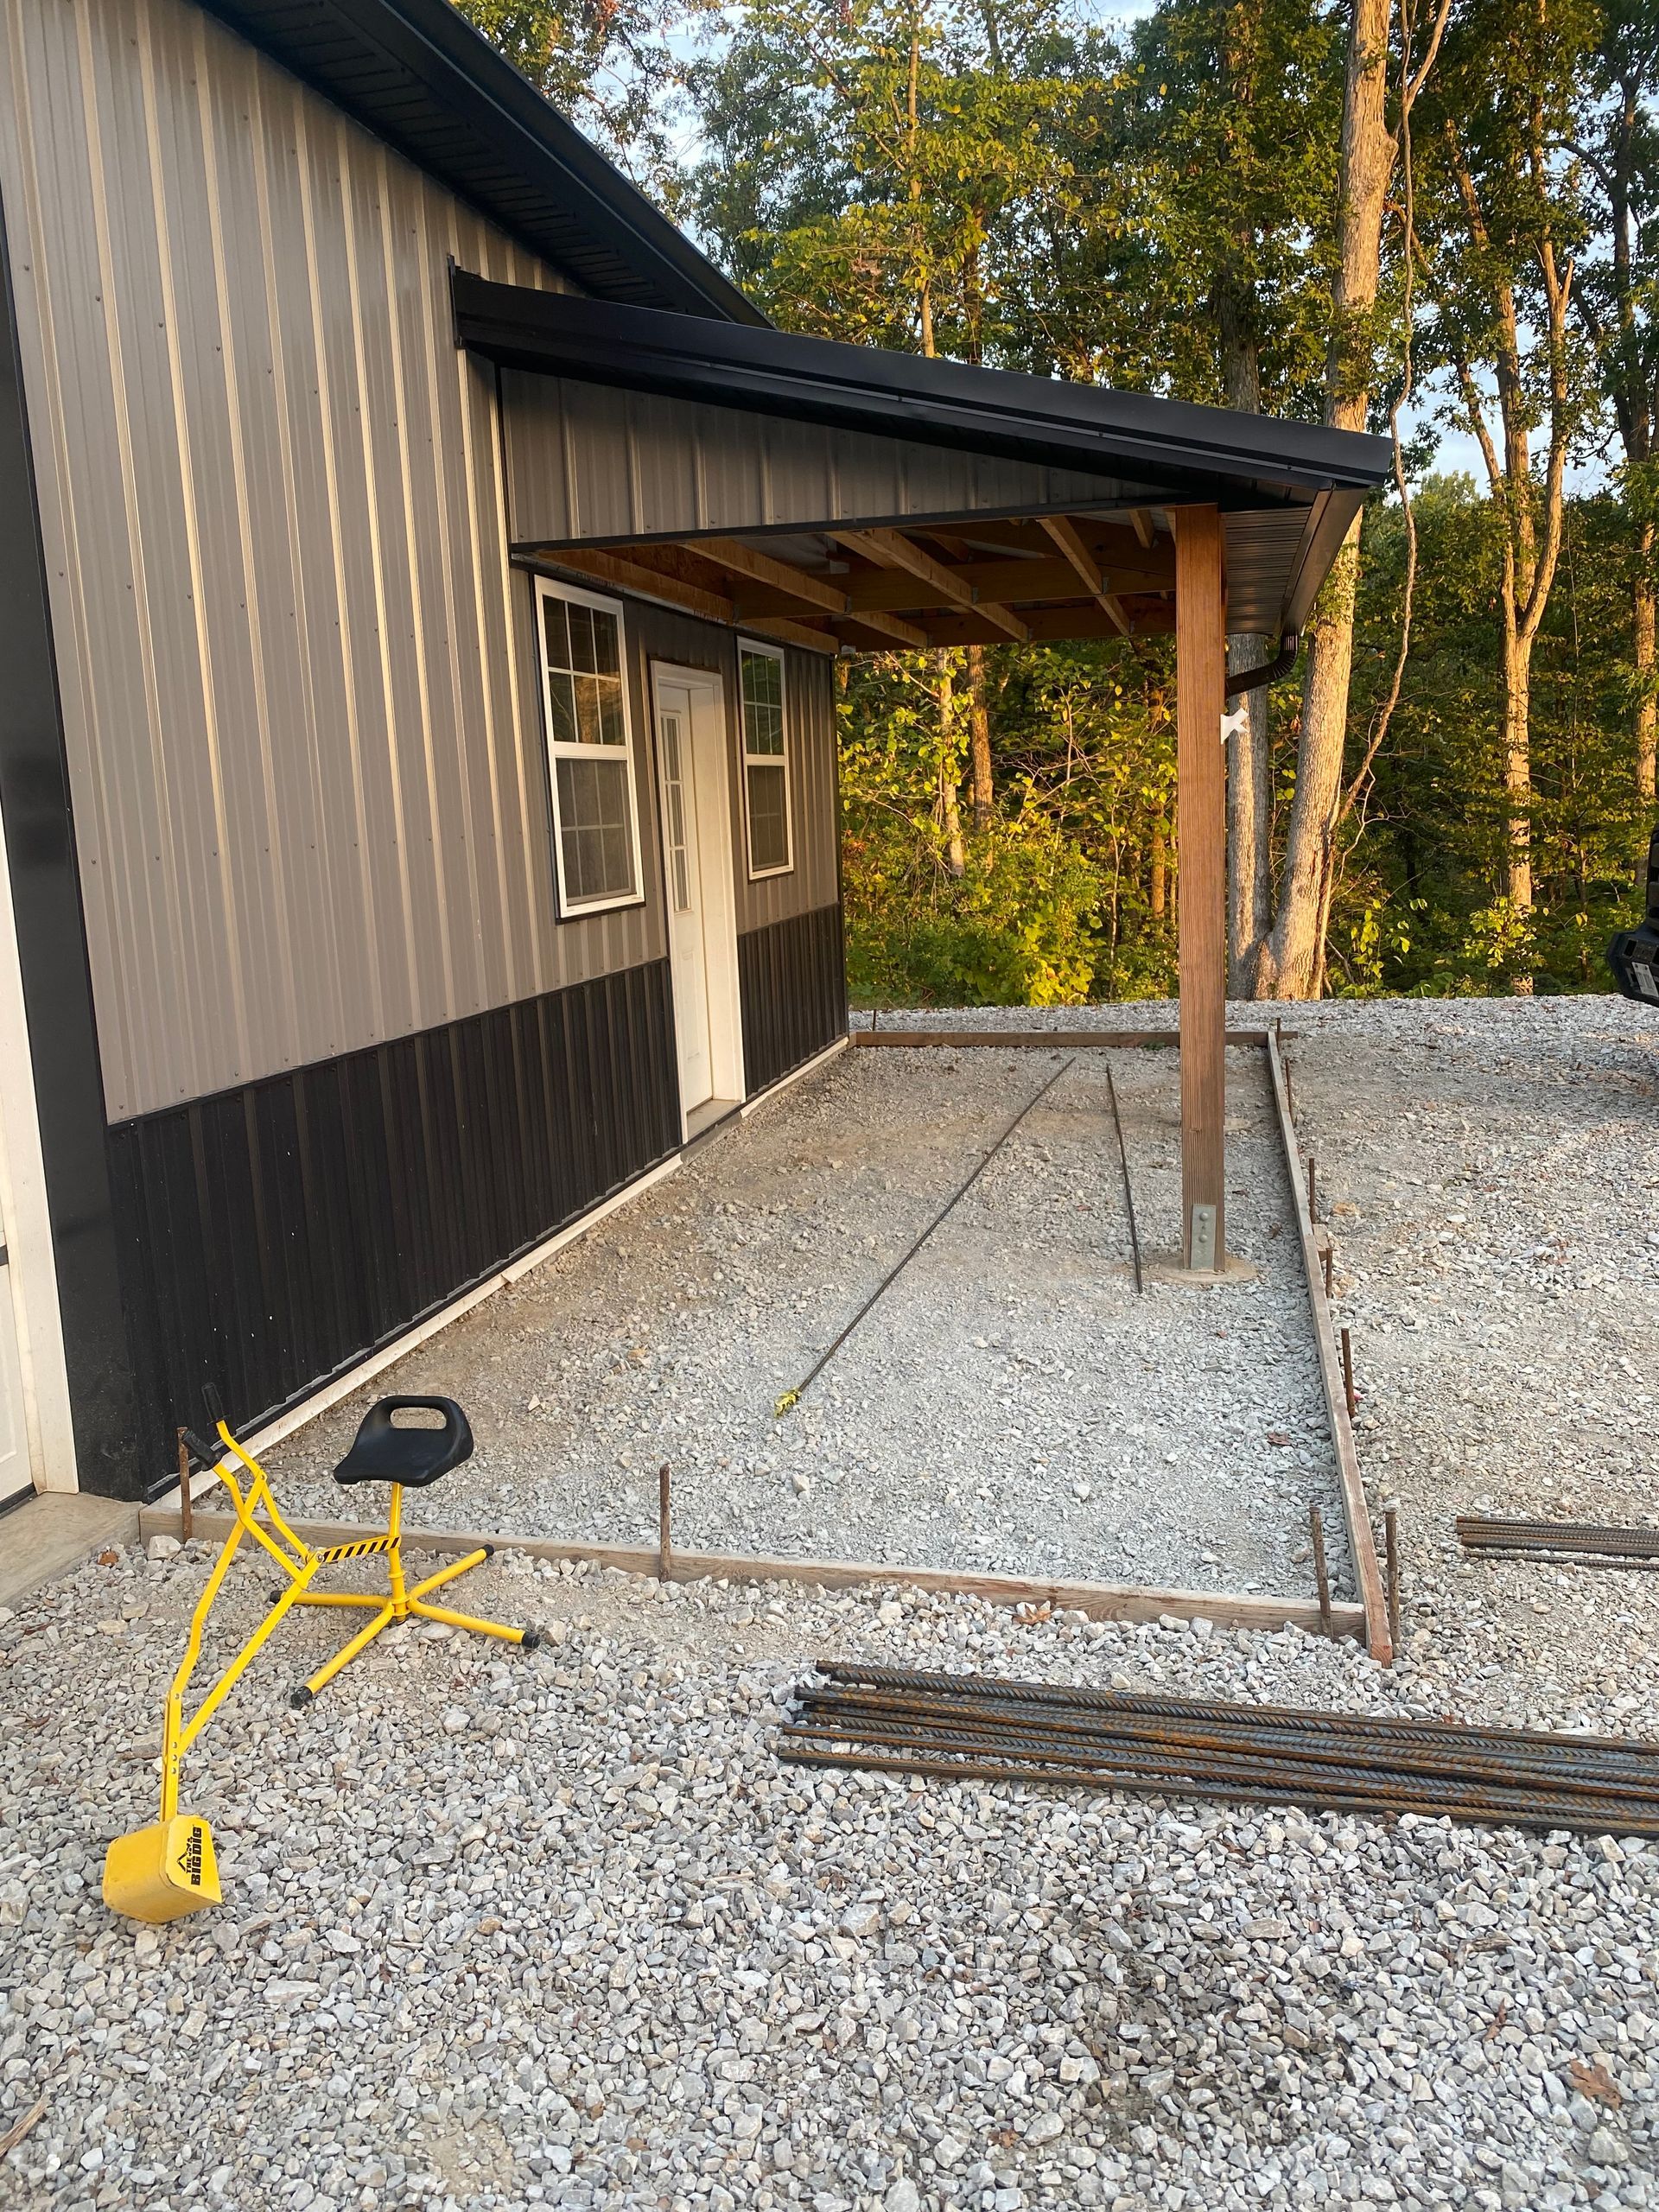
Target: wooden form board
(1100, 1600)
(1058, 1040)
(1362, 1545)
(1201, 817)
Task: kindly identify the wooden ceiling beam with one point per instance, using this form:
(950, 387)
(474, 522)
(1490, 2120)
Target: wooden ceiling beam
(890, 549)
(890, 625)
(764, 569)
(626, 573)
(1056, 625)
(1143, 529)
(796, 633)
(1063, 531)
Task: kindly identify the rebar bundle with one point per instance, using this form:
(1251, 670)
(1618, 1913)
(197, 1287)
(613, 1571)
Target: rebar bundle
(970, 1727)
(1480, 1532)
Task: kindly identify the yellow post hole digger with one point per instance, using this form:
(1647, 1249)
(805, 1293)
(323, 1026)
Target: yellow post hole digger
(161, 1872)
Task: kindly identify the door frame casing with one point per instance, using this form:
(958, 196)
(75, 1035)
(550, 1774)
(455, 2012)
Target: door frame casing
(716, 869)
(28, 1282)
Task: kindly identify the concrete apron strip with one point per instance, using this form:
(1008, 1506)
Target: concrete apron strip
(1102, 1601)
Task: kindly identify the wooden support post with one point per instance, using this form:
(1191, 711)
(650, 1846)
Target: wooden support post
(1200, 677)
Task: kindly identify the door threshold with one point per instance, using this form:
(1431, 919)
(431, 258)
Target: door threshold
(701, 1118)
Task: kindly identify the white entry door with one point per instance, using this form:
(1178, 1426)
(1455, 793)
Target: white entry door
(694, 772)
(16, 1476)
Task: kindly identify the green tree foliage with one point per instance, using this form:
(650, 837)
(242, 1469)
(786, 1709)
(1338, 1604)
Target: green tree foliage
(1153, 206)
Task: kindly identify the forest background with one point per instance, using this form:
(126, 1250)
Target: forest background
(1436, 219)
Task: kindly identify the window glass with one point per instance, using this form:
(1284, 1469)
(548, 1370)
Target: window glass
(765, 761)
(674, 786)
(587, 738)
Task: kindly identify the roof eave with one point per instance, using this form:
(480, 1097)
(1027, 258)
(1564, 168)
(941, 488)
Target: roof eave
(421, 77)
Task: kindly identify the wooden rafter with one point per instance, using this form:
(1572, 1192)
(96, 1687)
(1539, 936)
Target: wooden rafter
(890, 549)
(1143, 529)
(1063, 531)
(764, 568)
(890, 626)
(626, 573)
(795, 633)
(1052, 625)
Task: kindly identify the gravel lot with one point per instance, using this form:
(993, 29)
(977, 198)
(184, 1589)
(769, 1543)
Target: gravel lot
(1010, 1404)
(555, 1928)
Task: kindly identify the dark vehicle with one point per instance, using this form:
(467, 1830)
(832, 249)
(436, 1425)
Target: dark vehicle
(1634, 954)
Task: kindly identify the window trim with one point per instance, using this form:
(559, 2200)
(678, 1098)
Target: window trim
(766, 759)
(570, 910)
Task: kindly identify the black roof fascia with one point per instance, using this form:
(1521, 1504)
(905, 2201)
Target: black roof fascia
(419, 76)
(1199, 453)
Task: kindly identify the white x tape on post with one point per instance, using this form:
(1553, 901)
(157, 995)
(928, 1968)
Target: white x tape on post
(1233, 724)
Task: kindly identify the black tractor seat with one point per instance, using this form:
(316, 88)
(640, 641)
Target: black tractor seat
(383, 1452)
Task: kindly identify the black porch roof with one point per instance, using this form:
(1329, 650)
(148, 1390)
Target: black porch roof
(1289, 490)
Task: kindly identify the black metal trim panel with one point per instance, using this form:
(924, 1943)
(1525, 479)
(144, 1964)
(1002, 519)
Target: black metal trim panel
(1204, 452)
(419, 76)
(40, 856)
(792, 981)
(274, 1236)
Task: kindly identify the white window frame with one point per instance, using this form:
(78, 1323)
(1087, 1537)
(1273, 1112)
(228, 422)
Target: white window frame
(578, 910)
(766, 759)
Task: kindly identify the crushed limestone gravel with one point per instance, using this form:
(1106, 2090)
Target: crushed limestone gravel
(504, 1930)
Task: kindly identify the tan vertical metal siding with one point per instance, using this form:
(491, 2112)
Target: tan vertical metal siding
(303, 725)
(692, 468)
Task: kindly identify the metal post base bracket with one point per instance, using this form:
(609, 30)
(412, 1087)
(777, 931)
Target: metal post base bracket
(1201, 1240)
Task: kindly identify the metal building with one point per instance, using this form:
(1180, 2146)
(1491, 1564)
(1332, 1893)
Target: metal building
(417, 758)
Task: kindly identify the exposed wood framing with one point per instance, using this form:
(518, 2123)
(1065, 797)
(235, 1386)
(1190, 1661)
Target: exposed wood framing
(1362, 1545)
(628, 573)
(1100, 1600)
(1065, 534)
(1201, 803)
(763, 567)
(796, 633)
(1142, 524)
(890, 549)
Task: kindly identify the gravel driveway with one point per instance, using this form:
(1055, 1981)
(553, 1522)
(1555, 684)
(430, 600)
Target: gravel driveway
(1010, 1404)
(557, 1928)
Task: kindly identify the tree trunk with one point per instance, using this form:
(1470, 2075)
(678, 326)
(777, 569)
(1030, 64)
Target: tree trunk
(948, 808)
(1647, 716)
(1159, 896)
(1249, 860)
(1518, 780)
(1291, 959)
(979, 742)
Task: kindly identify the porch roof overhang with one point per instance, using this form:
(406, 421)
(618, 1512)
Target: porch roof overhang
(856, 498)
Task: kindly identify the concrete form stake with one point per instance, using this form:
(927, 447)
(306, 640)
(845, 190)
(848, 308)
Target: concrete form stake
(187, 1503)
(1329, 1260)
(1347, 1371)
(664, 1538)
(1391, 1553)
(1313, 1209)
(1316, 1530)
